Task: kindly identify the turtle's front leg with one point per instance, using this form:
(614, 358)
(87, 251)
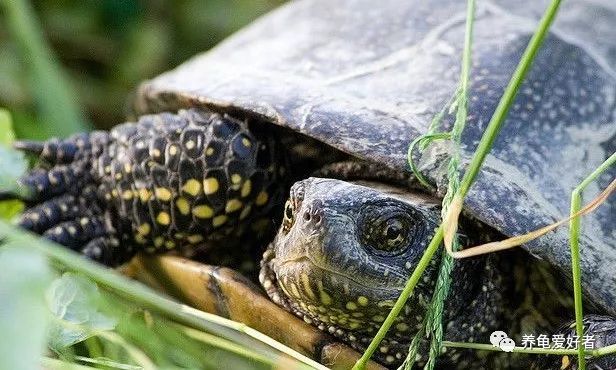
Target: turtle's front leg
(599, 331)
(168, 181)
(227, 293)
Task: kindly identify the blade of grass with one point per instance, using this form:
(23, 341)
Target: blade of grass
(435, 317)
(518, 240)
(135, 353)
(477, 160)
(215, 341)
(12, 165)
(597, 352)
(149, 299)
(24, 277)
(106, 363)
(494, 126)
(53, 364)
(56, 101)
(574, 245)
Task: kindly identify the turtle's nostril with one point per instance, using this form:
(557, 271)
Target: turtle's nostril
(312, 216)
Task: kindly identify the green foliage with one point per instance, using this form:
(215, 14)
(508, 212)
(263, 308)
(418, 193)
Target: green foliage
(73, 302)
(149, 330)
(24, 277)
(53, 97)
(12, 165)
(483, 148)
(106, 47)
(7, 135)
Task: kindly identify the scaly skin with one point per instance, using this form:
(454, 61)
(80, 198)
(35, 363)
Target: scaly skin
(344, 250)
(344, 253)
(169, 181)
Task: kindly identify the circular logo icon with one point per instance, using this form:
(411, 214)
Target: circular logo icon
(496, 337)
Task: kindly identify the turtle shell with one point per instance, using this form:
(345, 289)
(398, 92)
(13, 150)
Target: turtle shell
(367, 78)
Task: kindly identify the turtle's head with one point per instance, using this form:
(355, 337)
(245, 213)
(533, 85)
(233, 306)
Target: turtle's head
(345, 251)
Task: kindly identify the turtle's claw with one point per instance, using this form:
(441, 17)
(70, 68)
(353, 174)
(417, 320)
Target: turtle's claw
(40, 184)
(106, 250)
(56, 151)
(42, 217)
(63, 197)
(76, 233)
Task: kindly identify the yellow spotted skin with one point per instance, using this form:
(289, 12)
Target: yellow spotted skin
(192, 173)
(168, 181)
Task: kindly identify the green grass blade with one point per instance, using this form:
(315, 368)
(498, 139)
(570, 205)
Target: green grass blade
(597, 352)
(12, 165)
(574, 245)
(150, 300)
(477, 160)
(24, 277)
(56, 101)
(441, 290)
(55, 364)
(495, 124)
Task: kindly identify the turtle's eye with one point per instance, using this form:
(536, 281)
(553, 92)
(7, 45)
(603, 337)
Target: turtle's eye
(388, 233)
(288, 217)
(393, 232)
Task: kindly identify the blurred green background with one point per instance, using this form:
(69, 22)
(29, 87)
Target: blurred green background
(104, 48)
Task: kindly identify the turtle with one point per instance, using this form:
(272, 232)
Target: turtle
(320, 103)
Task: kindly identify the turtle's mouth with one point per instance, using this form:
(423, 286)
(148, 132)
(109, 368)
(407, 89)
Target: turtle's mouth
(298, 286)
(313, 269)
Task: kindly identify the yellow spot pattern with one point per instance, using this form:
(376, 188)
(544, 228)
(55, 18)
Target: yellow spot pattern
(363, 301)
(565, 362)
(163, 194)
(194, 239)
(183, 206)
(203, 211)
(262, 198)
(144, 229)
(219, 220)
(145, 195)
(325, 298)
(192, 187)
(158, 242)
(233, 205)
(246, 188)
(402, 327)
(163, 218)
(210, 185)
(306, 284)
(245, 212)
